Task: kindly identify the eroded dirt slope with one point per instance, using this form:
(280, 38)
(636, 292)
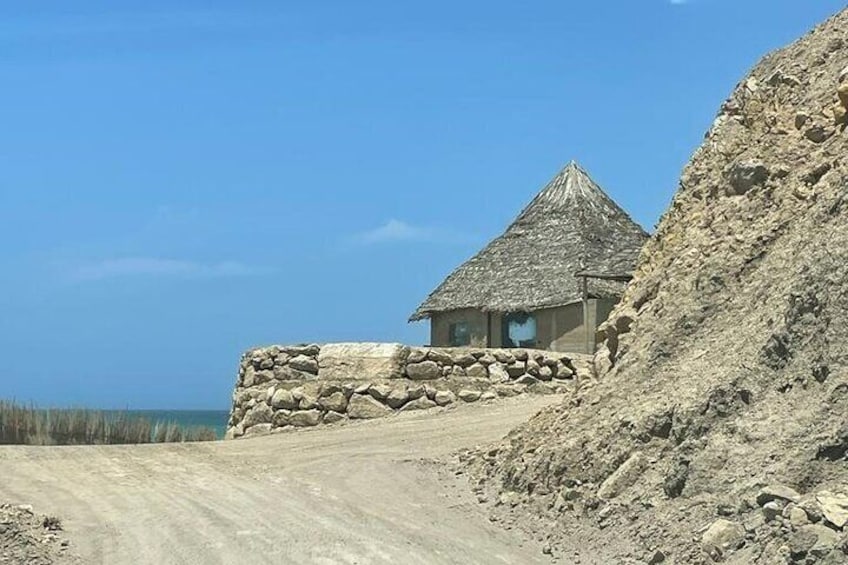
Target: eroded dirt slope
(725, 369)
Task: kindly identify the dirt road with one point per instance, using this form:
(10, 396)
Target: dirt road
(356, 494)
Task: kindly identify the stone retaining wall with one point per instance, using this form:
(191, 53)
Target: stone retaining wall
(306, 385)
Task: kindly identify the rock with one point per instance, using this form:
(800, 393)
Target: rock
(563, 371)
(234, 432)
(506, 391)
(363, 388)
(842, 92)
(416, 356)
(422, 403)
(329, 389)
(814, 540)
(843, 75)
(362, 407)
(745, 175)
(798, 518)
(266, 363)
(464, 360)
(336, 402)
(723, 535)
(333, 417)
(265, 376)
(258, 430)
(584, 368)
(622, 478)
(488, 395)
(430, 391)
(840, 114)
(812, 508)
(520, 354)
(283, 399)
(308, 401)
(497, 373)
(304, 364)
(533, 367)
(515, 370)
(380, 391)
(352, 361)
(416, 391)
(440, 356)
(281, 418)
(487, 359)
(545, 373)
(771, 510)
(397, 397)
(305, 418)
(777, 492)
(259, 414)
(504, 356)
(424, 371)
(456, 372)
(801, 119)
(444, 397)
(656, 558)
(348, 389)
(527, 380)
(834, 507)
(467, 395)
(818, 133)
(477, 371)
(289, 373)
(248, 379)
(310, 350)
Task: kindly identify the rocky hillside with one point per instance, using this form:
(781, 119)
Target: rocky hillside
(718, 427)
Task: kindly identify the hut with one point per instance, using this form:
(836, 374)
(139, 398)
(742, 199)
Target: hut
(548, 281)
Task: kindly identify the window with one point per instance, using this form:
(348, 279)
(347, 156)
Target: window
(459, 334)
(519, 330)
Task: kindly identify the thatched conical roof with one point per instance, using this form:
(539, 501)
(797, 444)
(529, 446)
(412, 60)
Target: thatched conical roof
(571, 226)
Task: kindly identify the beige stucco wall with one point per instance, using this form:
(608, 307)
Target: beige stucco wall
(440, 326)
(557, 329)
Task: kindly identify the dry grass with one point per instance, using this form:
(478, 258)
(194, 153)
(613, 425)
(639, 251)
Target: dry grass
(27, 425)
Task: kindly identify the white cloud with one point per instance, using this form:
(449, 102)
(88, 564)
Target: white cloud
(395, 230)
(399, 231)
(157, 267)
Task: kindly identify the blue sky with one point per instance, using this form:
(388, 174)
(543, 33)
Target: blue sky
(182, 180)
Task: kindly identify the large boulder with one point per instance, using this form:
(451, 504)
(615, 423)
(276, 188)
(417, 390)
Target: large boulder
(426, 370)
(362, 407)
(362, 361)
(723, 535)
(337, 402)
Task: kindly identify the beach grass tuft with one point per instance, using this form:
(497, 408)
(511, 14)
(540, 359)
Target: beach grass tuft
(28, 425)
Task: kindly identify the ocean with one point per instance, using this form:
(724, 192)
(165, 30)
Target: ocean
(215, 419)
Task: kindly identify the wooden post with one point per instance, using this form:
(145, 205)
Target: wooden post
(489, 329)
(590, 349)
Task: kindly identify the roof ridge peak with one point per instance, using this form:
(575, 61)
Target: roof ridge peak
(570, 186)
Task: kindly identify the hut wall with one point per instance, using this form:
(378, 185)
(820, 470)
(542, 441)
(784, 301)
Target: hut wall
(561, 329)
(558, 329)
(440, 327)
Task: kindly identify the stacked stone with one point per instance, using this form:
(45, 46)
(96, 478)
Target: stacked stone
(301, 386)
(297, 363)
(526, 367)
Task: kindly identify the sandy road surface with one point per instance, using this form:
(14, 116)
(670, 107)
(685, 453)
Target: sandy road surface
(351, 494)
